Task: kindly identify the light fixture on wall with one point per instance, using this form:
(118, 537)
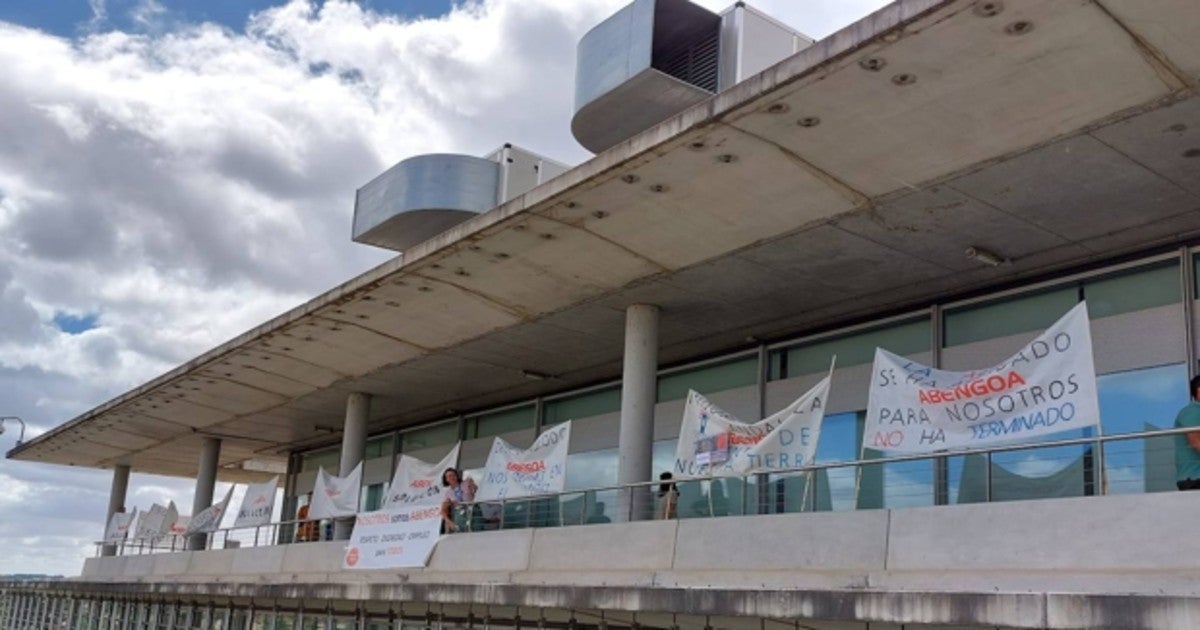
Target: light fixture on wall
(986, 256)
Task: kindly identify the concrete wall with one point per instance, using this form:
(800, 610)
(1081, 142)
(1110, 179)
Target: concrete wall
(1087, 545)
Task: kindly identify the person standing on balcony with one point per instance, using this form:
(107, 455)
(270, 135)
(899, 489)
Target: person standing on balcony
(1187, 445)
(457, 491)
(668, 496)
(306, 530)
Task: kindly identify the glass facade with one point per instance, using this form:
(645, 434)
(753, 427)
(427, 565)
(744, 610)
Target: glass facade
(1140, 389)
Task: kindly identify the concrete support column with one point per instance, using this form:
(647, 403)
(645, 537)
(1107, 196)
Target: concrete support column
(639, 388)
(206, 483)
(354, 444)
(116, 501)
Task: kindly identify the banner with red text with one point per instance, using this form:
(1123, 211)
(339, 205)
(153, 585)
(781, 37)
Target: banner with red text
(257, 504)
(335, 496)
(417, 482)
(1047, 387)
(156, 522)
(713, 442)
(209, 519)
(393, 538)
(541, 469)
(118, 526)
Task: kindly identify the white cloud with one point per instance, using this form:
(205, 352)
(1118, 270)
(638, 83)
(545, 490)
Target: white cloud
(185, 183)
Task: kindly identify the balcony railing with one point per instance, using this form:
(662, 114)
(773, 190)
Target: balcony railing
(1127, 463)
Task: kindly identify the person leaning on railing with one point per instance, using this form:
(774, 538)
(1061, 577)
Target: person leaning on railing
(668, 496)
(1187, 445)
(307, 530)
(457, 491)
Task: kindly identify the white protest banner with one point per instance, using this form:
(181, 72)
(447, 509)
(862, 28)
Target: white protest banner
(403, 536)
(417, 482)
(1048, 386)
(180, 526)
(258, 504)
(118, 526)
(169, 517)
(542, 469)
(713, 442)
(335, 496)
(209, 519)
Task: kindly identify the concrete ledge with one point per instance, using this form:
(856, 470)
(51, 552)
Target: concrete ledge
(646, 546)
(1113, 533)
(828, 541)
(506, 550)
(166, 564)
(256, 560)
(313, 557)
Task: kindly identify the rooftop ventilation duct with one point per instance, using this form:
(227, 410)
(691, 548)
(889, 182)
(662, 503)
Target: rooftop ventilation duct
(426, 195)
(655, 58)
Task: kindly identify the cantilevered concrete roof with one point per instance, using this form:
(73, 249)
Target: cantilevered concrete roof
(845, 181)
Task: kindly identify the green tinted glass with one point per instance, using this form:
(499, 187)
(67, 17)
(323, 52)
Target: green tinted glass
(501, 422)
(708, 379)
(327, 459)
(859, 348)
(435, 435)
(581, 406)
(1133, 291)
(380, 446)
(1017, 315)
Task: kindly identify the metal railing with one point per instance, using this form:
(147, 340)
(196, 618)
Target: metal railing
(1096, 465)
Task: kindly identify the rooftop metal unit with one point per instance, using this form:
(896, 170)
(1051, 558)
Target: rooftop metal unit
(425, 195)
(654, 58)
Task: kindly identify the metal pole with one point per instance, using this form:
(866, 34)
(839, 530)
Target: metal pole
(206, 482)
(639, 391)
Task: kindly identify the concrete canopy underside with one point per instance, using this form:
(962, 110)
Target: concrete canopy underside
(1054, 133)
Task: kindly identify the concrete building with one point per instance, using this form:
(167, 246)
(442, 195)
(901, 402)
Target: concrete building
(943, 179)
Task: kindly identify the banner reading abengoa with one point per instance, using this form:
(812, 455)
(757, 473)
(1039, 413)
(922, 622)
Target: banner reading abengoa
(417, 482)
(542, 469)
(258, 504)
(398, 537)
(335, 496)
(712, 442)
(1046, 387)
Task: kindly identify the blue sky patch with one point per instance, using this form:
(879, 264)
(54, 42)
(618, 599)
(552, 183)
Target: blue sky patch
(75, 324)
(71, 18)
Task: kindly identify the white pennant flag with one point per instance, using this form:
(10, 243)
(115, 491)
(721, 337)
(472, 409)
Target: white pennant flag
(258, 504)
(541, 469)
(335, 496)
(417, 482)
(209, 519)
(118, 526)
(713, 442)
(1048, 386)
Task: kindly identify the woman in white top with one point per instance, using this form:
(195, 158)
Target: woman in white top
(456, 491)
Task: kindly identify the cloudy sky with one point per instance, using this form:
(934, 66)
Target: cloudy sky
(174, 172)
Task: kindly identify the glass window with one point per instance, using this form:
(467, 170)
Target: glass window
(1134, 401)
(1133, 291)
(1009, 317)
(380, 446)
(327, 459)
(709, 379)
(581, 406)
(371, 497)
(425, 437)
(500, 422)
(854, 349)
